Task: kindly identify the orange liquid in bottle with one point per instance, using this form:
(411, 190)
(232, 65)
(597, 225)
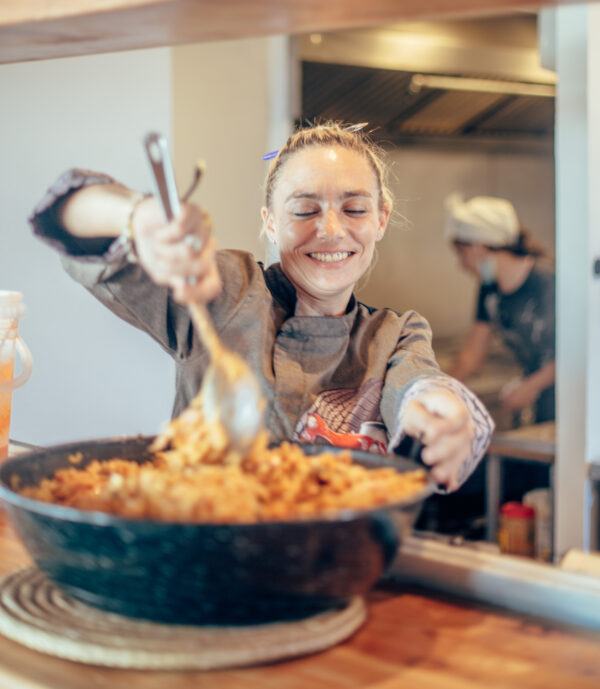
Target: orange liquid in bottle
(6, 374)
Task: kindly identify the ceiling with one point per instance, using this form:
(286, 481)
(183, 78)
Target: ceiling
(349, 83)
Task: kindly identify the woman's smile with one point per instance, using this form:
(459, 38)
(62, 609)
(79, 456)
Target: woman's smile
(330, 257)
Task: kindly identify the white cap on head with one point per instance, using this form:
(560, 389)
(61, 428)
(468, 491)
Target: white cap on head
(481, 220)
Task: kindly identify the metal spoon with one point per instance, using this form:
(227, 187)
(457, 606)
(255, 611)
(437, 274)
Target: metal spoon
(230, 393)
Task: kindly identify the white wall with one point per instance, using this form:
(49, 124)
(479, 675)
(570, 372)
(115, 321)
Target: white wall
(415, 267)
(93, 375)
(221, 115)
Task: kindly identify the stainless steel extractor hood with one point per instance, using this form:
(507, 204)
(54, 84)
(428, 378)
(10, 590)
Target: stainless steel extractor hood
(450, 82)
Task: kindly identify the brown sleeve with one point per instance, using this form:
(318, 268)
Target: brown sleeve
(45, 216)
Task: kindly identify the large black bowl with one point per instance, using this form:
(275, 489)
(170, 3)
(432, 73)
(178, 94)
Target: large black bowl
(202, 573)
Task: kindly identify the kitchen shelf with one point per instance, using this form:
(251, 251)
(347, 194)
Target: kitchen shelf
(36, 29)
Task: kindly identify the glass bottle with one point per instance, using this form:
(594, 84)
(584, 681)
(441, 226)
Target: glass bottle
(11, 309)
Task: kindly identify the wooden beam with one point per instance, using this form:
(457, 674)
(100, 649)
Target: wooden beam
(36, 29)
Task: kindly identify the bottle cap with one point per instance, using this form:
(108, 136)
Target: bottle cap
(517, 510)
(11, 305)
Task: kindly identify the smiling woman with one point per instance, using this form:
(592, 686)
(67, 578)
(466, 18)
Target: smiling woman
(332, 370)
(325, 216)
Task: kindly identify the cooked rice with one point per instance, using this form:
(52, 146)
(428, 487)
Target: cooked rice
(194, 477)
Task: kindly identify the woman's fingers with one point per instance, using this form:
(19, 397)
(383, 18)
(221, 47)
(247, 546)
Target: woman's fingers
(429, 426)
(180, 254)
(446, 448)
(415, 420)
(446, 459)
(446, 475)
(441, 421)
(193, 222)
(202, 281)
(186, 257)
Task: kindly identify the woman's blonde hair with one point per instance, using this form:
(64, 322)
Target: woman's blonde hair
(351, 137)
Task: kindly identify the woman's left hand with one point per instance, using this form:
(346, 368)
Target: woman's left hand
(440, 419)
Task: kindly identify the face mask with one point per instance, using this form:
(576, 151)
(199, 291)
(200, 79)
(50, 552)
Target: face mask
(487, 270)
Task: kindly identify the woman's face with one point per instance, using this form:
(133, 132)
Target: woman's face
(325, 220)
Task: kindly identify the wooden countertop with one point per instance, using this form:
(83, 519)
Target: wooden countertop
(35, 29)
(412, 639)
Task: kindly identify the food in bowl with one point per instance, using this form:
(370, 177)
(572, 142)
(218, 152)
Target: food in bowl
(182, 529)
(193, 477)
(202, 573)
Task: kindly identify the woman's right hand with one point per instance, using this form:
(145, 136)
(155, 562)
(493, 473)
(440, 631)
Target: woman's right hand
(181, 254)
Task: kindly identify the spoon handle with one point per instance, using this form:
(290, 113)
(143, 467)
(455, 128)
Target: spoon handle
(205, 328)
(164, 179)
(163, 174)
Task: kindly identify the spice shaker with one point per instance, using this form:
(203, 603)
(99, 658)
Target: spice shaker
(516, 530)
(541, 501)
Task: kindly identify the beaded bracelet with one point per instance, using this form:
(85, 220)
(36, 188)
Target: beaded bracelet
(127, 240)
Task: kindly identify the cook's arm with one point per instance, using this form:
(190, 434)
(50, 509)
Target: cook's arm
(527, 391)
(170, 252)
(462, 419)
(474, 351)
(100, 210)
(93, 255)
(46, 219)
(451, 421)
(101, 262)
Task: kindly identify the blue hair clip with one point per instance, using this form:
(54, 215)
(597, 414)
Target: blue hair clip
(356, 127)
(271, 155)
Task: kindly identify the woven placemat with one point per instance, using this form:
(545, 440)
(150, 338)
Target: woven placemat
(37, 614)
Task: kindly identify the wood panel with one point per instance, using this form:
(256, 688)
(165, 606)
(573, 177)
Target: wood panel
(35, 29)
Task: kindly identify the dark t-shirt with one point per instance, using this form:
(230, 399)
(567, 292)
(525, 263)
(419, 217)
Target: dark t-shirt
(524, 318)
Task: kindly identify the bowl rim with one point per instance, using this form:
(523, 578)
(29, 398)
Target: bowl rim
(100, 518)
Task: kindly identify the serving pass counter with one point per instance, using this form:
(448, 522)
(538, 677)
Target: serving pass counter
(411, 638)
